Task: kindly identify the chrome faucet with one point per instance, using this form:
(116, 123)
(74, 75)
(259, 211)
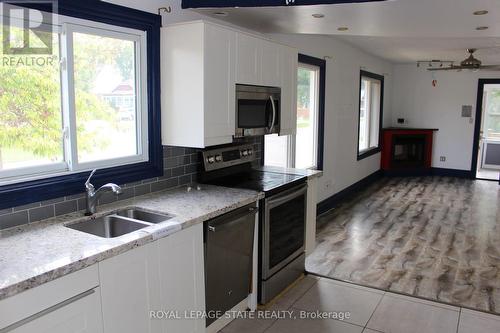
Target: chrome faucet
(92, 195)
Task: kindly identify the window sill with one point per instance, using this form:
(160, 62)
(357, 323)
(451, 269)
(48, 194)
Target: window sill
(368, 153)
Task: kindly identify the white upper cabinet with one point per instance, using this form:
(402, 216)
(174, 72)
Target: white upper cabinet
(198, 92)
(271, 64)
(249, 59)
(201, 64)
(289, 66)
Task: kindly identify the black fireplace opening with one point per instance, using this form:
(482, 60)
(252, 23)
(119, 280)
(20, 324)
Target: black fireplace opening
(408, 151)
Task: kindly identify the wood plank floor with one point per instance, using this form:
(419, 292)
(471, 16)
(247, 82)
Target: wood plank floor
(432, 237)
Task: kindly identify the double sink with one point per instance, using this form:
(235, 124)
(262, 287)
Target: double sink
(119, 223)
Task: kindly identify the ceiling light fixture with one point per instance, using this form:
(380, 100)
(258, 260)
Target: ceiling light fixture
(318, 15)
(481, 12)
(482, 28)
(220, 13)
(342, 28)
(434, 63)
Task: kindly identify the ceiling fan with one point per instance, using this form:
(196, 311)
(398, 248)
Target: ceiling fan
(471, 63)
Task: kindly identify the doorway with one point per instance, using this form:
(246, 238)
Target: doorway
(486, 153)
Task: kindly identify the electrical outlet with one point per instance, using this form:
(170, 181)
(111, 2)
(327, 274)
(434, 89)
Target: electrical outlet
(442, 159)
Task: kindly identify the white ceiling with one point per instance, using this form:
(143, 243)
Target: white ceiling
(397, 30)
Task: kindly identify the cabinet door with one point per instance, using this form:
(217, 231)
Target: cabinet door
(182, 283)
(249, 58)
(129, 283)
(82, 315)
(271, 64)
(219, 85)
(289, 91)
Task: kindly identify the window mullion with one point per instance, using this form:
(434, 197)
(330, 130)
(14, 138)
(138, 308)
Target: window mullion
(68, 95)
(368, 108)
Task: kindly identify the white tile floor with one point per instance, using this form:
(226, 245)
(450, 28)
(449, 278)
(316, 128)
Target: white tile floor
(372, 311)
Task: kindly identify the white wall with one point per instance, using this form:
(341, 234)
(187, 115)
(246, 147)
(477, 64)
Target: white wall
(415, 99)
(341, 168)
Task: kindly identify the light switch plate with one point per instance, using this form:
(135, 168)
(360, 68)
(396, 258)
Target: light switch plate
(466, 111)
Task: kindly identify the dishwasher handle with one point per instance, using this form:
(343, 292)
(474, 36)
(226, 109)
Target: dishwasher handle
(234, 219)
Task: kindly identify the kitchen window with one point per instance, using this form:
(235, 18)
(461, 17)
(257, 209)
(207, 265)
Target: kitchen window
(371, 93)
(92, 102)
(304, 150)
(81, 109)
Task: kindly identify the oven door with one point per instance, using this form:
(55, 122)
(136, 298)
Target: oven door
(283, 229)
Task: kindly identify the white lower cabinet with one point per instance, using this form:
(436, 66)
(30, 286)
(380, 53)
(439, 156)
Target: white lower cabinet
(129, 289)
(69, 304)
(123, 294)
(182, 279)
(80, 315)
(152, 288)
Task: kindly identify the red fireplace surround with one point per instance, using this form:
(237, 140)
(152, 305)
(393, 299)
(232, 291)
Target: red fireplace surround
(407, 149)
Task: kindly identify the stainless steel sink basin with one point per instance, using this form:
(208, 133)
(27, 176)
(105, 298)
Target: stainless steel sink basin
(108, 226)
(142, 215)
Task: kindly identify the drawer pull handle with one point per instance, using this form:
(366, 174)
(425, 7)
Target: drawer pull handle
(46, 311)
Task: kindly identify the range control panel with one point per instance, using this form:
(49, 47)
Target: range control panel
(229, 156)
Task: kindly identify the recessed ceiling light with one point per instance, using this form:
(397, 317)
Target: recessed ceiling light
(318, 15)
(220, 13)
(342, 28)
(482, 28)
(481, 12)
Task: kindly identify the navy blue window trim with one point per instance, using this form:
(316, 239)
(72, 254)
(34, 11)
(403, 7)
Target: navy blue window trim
(32, 191)
(263, 3)
(377, 149)
(321, 63)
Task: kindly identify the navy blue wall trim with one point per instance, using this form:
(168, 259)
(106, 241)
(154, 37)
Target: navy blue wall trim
(321, 63)
(263, 3)
(335, 199)
(94, 10)
(452, 173)
(429, 172)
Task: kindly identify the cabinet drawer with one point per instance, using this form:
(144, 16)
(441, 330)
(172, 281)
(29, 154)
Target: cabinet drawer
(33, 301)
(80, 314)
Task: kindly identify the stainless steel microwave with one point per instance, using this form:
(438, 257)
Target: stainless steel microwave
(257, 110)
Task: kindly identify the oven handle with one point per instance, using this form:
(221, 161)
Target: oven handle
(274, 113)
(287, 196)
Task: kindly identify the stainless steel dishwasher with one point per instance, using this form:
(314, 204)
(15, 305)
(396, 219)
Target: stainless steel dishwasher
(229, 243)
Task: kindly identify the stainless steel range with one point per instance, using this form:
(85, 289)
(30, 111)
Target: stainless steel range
(282, 213)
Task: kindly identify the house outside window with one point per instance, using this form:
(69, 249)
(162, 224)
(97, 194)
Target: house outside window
(371, 92)
(304, 150)
(83, 108)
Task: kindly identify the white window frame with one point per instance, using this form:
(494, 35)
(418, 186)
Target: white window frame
(315, 120)
(292, 139)
(369, 115)
(65, 27)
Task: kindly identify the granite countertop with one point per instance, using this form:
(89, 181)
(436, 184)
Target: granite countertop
(309, 173)
(37, 253)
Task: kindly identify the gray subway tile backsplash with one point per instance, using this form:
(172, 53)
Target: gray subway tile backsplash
(41, 213)
(66, 207)
(14, 219)
(181, 166)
